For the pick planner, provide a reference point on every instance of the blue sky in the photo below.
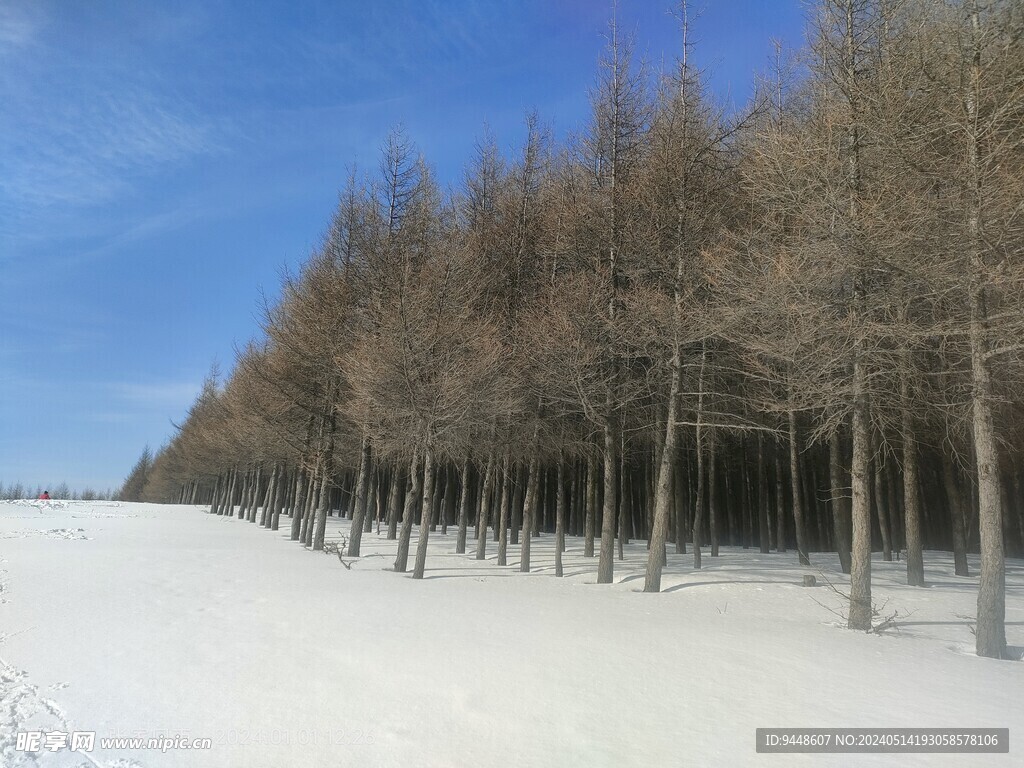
(161, 162)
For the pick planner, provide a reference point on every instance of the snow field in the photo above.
(160, 620)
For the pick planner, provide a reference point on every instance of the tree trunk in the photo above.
(860, 468)
(325, 504)
(448, 502)
(312, 506)
(436, 500)
(819, 505)
(518, 492)
(841, 516)
(572, 524)
(299, 503)
(529, 512)
(957, 512)
(261, 514)
(464, 500)
(732, 503)
(396, 497)
(606, 561)
(544, 500)
(895, 512)
(1019, 496)
(355, 533)
(243, 493)
(794, 476)
(663, 498)
(309, 503)
(780, 503)
(485, 506)
(590, 518)
(748, 497)
(225, 499)
(244, 501)
(991, 628)
(625, 501)
(698, 511)
(215, 501)
(252, 496)
(911, 492)
(224, 481)
(506, 502)
(225, 487)
(235, 492)
(559, 515)
(762, 498)
(679, 499)
(411, 497)
(229, 499)
(268, 499)
(279, 498)
(257, 494)
(425, 520)
(712, 494)
(882, 502)
(372, 502)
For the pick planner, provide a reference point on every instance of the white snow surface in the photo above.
(159, 620)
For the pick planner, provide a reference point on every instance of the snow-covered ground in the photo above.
(145, 620)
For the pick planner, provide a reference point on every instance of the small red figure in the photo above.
(44, 496)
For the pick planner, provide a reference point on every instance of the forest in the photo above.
(795, 326)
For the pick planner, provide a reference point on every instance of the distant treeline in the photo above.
(15, 491)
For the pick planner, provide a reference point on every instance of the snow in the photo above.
(139, 619)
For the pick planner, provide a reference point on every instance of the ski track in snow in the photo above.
(49, 533)
(31, 509)
(22, 706)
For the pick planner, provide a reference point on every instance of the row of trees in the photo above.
(797, 326)
(135, 484)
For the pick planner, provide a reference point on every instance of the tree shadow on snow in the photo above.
(689, 584)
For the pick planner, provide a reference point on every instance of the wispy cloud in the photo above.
(17, 26)
(88, 150)
(80, 130)
(107, 417)
(164, 395)
(391, 45)
(108, 397)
